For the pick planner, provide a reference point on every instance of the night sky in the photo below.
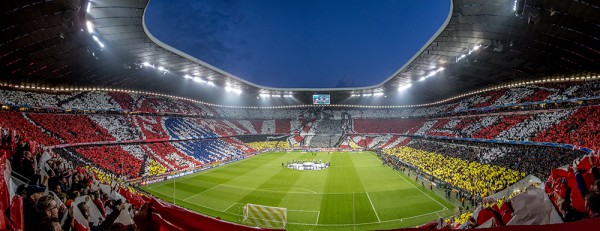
(299, 43)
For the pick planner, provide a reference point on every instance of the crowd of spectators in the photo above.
(478, 179)
(575, 190)
(112, 158)
(90, 100)
(170, 157)
(513, 96)
(526, 130)
(504, 124)
(582, 128)
(119, 126)
(140, 102)
(33, 99)
(59, 193)
(155, 169)
(20, 125)
(572, 189)
(401, 126)
(265, 145)
(524, 158)
(322, 141)
(374, 141)
(71, 128)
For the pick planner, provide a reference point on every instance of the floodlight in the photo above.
(89, 26)
(98, 41)
(402, 88)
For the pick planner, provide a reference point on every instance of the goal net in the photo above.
(264, 216)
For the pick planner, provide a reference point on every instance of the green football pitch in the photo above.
(356, 192)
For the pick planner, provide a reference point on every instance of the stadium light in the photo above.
(234, 90)
(404, 87)
(422, 78)
(198, 80)
(98, 41)
(187, 76)
(89, 6)
(378, 94)
(89, 26)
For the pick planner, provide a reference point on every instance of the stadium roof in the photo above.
(483, 43)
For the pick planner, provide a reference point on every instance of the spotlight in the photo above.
(402, 88)
(89, 26)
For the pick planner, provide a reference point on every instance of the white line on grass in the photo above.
(370, 223)
(312, 211)
(372, 206)
(270, 189)
(238, 215)
(318, 215)
(200, 193)
(235, 214)
(417, 188)
(231, 206)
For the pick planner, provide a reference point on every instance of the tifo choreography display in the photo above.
(505, 138)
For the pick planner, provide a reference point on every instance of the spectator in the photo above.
(34, 193)
(592, 205)
(106, 224)
(48, 211)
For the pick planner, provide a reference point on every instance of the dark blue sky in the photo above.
(299, 43)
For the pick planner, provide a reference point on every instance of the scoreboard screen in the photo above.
(321, 99)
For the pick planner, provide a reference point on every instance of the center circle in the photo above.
(307, 165)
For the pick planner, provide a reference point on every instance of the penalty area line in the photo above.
(373, 206)
(445, 208)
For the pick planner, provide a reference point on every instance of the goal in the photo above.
(264, 216)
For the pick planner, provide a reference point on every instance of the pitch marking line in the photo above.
(370, 223)
(445, 208)
(318, 215)
(231, 206)
(308, 211)
(372, 206)
(299, 210)
(237, 215)
(271, 189)
(200, 192)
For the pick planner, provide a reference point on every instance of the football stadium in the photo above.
(494, 122)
